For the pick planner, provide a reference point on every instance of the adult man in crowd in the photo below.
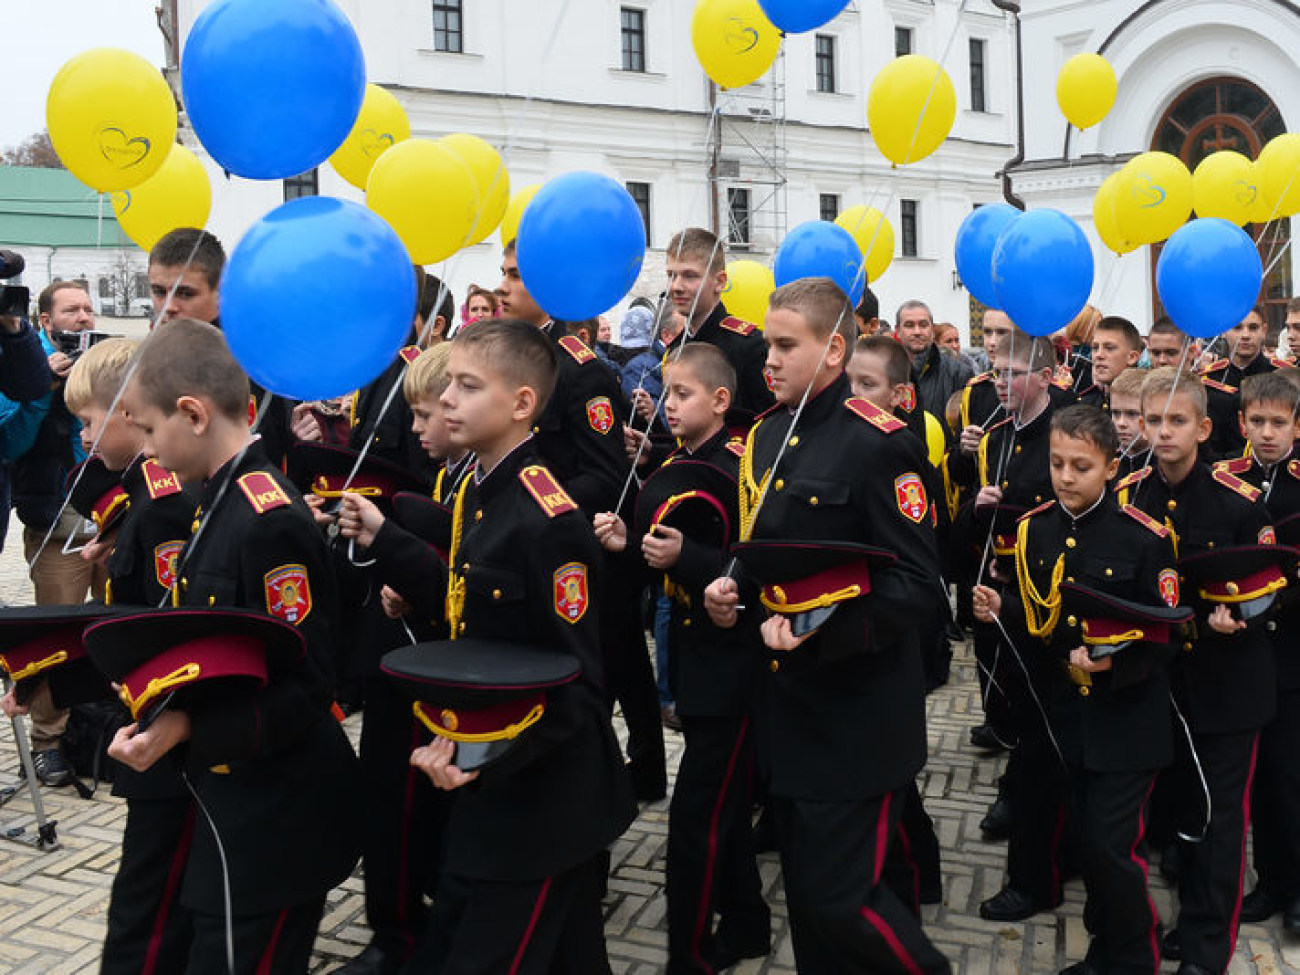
(936, 373)
(1167, 345)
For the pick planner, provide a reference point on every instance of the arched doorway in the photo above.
(1229, 113)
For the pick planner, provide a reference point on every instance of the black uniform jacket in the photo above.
(1223, 684)
(272, 766)
(743, 345)
(1117, 720)
(844, 713)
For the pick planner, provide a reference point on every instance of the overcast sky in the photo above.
(40, 35)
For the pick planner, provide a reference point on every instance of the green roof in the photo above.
(52, 208)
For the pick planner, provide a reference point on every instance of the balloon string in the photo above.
(934, 81)
(1151, 446)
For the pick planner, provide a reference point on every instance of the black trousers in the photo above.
(1210, 882)
(843, 918)
(1119, 912)
(1276, 804)
(545, 927)
(913, 865)
(404, 816)
(712, 871)
(1042, 825)
(997, 673)
(630, 680)
(278, 943)
(149, 932)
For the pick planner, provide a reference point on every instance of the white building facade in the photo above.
(614, 86)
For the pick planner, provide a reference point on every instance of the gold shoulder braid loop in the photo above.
(1036, 603)
(750, 490)
(456, 581)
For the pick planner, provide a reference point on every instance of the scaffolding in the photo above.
(747, 163)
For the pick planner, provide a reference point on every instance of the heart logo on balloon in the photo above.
(1147, 192)
(740, 37)
(375, 144)
(121, 150)
(1246, 193)
(121, 202)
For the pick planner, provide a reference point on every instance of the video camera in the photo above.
(15, 300)
(72, 344)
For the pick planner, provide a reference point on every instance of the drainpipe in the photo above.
(715, 152)
(1013, 8)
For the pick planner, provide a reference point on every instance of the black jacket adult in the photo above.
(937, 375)
(842, 717)
(743, 345)
(24, 372)
(39, 474)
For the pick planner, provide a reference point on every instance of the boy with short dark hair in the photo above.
(1168, 345)
(1116, 346)
(272, 767)
(1126, 412)
(1225, 684)
(1105, 687)
(522, 880)
(845, 699)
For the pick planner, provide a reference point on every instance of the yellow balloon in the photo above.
(427, 194)
(734, 41)
(178, 195)
(1278, 168)
(490, 178)
(911, 108)
(1153, 197)
(1224, 185)
(1086, 89)
(380, 125)
(112, 118)
(749, 286)
(874, 236)
(1103, 217)
(515, 212)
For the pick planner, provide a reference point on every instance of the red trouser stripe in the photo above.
(532, 926)
(1146, 877)
(1245, 828)
(267, 965)
(174, 875)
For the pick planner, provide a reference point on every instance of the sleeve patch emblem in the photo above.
(571, 591)
(910, 493)
(164, 563)
(1267, 536)
(288, 593)
(909, 398)
(1167, 582)
(600, 414)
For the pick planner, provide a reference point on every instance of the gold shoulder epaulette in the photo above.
(1001, 423)
(1233, 483)
(1214, 366)
(159, 480)
(1280, 363)
(1234, 465)
(1145, 520)
(546, 491)
(409, 353)
(737, 446)
(262, 492)
(983, 377)
(1128, 480)
(577, 349)
(882, 420)
(737, 325)
(1036, 511)
(1221, 387)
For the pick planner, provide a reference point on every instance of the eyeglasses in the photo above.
(1006, 375)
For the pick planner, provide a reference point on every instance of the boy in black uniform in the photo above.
(271, 767)
(1109, 704)
(148, 931)
(526, 837)
(1126, 413)
(1268, 414)
(713, 675)
(1223, 379)
(1225, 682)
(1116, 346)
(843, 715)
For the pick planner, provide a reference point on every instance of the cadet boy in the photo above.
(1111, 716)
(1116, 346)
(714, 675)
(271, 767)
(148, 931)
(1223, 378)
(522, 881)
(1268, 417)
(844, 703)
(1225, 682)
(1126, 412)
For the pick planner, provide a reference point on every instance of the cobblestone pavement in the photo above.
(52, 905)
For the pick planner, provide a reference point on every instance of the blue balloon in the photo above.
(317, 298)
(580, 245)
(1209, 275)
(797, 16)
(272, 87)
(820, 249)
(1042, 271)
(976, 240)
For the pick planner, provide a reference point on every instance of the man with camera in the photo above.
(23, 375)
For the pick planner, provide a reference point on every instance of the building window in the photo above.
(633, 21)
(640, 193)
(977, 99)
(909, 211)
(825, 63)
(308, 184)
(738, 215)
(902, 41)
(448, 27)
(829, 206)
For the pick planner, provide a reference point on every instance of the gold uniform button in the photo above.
(1109, 572)
(1233, 589)
(1005, 485)
(464, 567)
(1188, 646)
(1019, 448)
(462, 628)
(1070, 543)
(1172, 505)
(185, 584)
(686, 622)
(1069, 578)
(779, 484)
(496, 593)
(794, 441)
(1072, 620)
(813, 500)
(1038, 499)
(1084, 692)
(478, 515)
(212, 600)
(774, 666)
